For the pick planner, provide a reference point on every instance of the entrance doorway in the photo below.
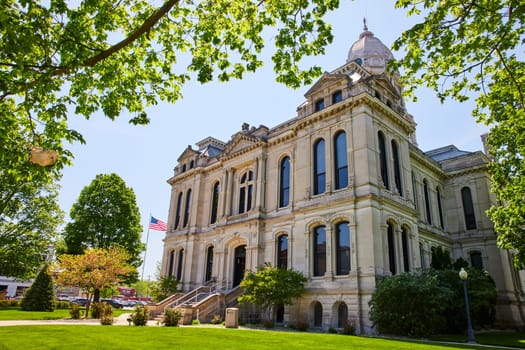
(239, 265)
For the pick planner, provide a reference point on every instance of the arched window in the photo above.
(422, 255)
(214, 202)
(246, 192)
(468, 208)
(284, 187)
(342, 243)
(319, 104)
(391, 249)
(342, 315)
(475, 260)
(319, 167)
(440, 208)
(340, 160)
(183, 167)
(209, 263)
(177, 211)
(319, 244)
(397, 168)
(382, 159)
(179, 264)
(318, 314)
(406, 254)
(171, 263)
(282, 252)
(337, 96)
(192, 164)
(187, 209)
(414, 190)
(427, 202)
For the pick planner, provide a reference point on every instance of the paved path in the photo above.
(119, 321)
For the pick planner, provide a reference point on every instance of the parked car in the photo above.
(79, 301)
(117, 304)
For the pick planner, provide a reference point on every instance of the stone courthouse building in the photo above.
(341, 193)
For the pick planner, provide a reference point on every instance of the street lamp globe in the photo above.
(463, 274)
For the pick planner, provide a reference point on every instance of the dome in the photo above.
(370, 52)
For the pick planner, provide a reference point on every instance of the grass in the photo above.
(14, 313)
(159, 338)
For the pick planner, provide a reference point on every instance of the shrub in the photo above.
(348, 328)
(40, 296)
(95, 310)
(301, 325)
(268, 324)
(75, 311)
(9, 303)
(140, 315)
(171, 317)
(62, 304)
(402, 304)
(217, 319)
(332, 330)
(195, 322)
(106, 314)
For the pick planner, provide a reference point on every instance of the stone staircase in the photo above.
(201, 303)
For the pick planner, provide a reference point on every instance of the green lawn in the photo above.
(14, 313)
(158, 338)
(509, 339)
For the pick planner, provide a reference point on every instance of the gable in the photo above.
(239, 143)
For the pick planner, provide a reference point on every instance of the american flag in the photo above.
(157, 225)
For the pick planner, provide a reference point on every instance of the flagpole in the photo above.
(145, 254)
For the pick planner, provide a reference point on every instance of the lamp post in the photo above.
(463, 275)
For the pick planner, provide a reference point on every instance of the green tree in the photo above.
(474, 49)
(94, 270)
(60, 57)
(40, 296)
(271, 286)
(105, 215)
(164, 287)
(29, 219)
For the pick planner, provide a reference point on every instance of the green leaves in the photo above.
(474, 49)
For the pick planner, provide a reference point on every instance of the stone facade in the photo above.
(341, 193)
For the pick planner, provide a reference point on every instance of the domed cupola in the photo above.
(370, 52)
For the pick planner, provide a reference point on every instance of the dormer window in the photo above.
(319, 104)
(192, 164)
(183, 168)
(337, 96)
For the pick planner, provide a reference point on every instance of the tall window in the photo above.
(284, 188)
(440, 208)
(319, 104)
(282, 252)
(337, 96)
(318, 314)
(340, 161)
(414, 190)
(171, 263)
(342, 242)
(404, 243)
(179, 264)
(427, 202)
(209, 263)
(246, 192)
(468, 208)
(476, 260)
(214, 202)
(192, 164)
(391, 249)
(397, 168)
(319, 167)
(319, 251)
(177, 211)
(382, 159)
(187, 209)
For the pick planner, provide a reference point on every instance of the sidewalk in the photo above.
(118, 321)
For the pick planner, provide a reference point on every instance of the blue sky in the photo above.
(144, 156)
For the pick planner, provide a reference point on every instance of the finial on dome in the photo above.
(365, 28)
